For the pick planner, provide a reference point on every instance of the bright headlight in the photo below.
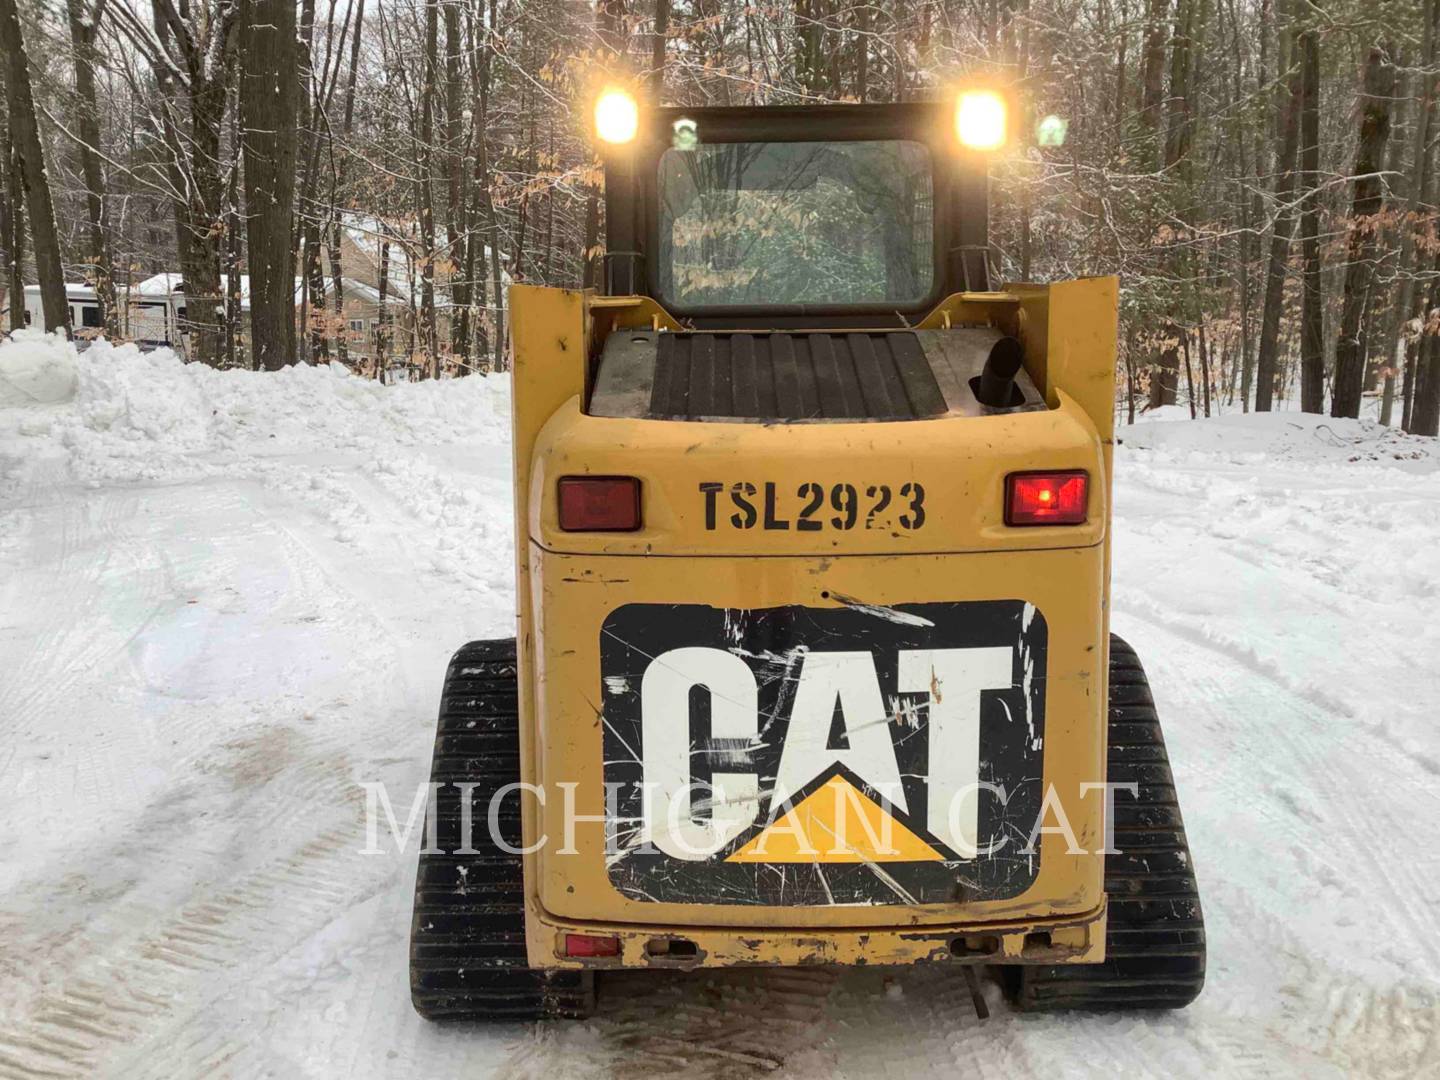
(980, 119)
(617, 116)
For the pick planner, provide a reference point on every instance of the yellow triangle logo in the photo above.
(836, 823)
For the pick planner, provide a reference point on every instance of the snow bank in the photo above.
(117, 413)
(36, 368)
(1274, 437)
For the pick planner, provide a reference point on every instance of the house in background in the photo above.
(360, 315)
(153, 312)
(159, 306)
(362, 239)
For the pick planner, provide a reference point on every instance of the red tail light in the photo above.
(599, 503)
(1049, 498)
(591, 945)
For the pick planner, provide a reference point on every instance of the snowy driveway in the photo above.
(226, 600)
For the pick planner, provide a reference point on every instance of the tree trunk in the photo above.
(268, 91)
(1420, 192)
(337, 269)
(862, 53)
(657, 52)
(1204, 371)
(424, 192)
(1374, 105)
(1247, 192)
(1425, 412)
(457, 227)
(25, 137)
(1189, 371)
(1385, 320)
(1130, 376)
(312, 325)
(337, 287)
(1288, 144)
(193, 168)
(1166, 371)
(608, 17)
(233, 228)
(317, 320)
(1153, 75)
(382, 317)
(592, 277)
(12, 228)
(84, 26)
(901, 40)
(477, 341)
(1312, 312)
(1178, 140)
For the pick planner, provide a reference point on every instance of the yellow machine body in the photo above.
(571, 583)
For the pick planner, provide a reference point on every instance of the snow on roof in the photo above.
(361, 291)
(75, 290)
(170, 283)
(365, 233)
(158, 285)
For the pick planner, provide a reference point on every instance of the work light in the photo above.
(980, 120)
(617, 116)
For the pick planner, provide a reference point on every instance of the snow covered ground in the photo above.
(226, 600)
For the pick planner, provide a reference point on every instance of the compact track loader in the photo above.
(813, 662)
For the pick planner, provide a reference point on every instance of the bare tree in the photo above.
(1312, 311)
(25, 139)
(12, 227)
(457, 225)
(1375, 102)
(84, 30)
(189, 51)
(1288, 104)
(657, 52)
(425, 189)
(268, 89)
(1418, 189)
(340, 173)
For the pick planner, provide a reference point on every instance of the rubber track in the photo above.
(467, 940)
(1155, 937)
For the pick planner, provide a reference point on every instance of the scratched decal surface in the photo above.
(812, 756)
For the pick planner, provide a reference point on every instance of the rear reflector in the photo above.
(1051, 498)
(591, 945)
(599, 503)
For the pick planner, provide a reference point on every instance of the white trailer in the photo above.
(84, 307)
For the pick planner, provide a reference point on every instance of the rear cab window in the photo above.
(775, 223)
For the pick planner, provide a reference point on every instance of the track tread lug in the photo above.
(1155, 935)
(467, 938)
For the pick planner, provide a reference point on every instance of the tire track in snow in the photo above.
(304, 818)
(1381, 1023)
(929, 1020)
(1326, 775)
(197, 954)
(720, 1024)
(64, 649)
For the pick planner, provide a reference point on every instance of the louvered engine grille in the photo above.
(777, 376)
